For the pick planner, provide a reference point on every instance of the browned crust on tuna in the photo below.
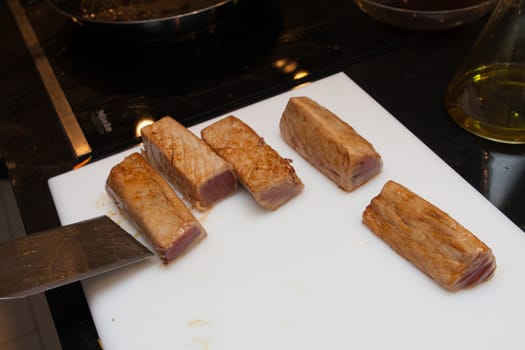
(328, 143)
(268, 177)
(188, 163)
(152, 205)
(429, 238)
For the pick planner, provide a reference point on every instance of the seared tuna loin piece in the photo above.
(188, 163)
(153, 206)
(429, 238)
(270, 179)
(328, 143)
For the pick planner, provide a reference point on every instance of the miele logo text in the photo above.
(101, 122)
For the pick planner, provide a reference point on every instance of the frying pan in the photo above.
(146, 17)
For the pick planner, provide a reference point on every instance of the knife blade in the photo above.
(55, 257)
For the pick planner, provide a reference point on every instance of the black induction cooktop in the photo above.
(113, 80)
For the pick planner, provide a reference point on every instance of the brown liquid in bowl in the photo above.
(432, 5)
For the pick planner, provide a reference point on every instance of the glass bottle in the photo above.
(487, 94)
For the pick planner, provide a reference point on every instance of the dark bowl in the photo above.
(419, 15)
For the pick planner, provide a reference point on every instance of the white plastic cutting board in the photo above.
(309, 275)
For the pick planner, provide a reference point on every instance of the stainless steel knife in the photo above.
(55, 257)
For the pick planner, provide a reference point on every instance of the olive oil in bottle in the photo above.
(486, 96)
(489, 101)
